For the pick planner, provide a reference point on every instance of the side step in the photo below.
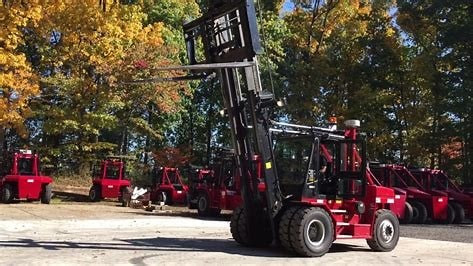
(344, 236)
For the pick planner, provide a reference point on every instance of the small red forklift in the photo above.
(20, 178)
(460, 204)
(217, 188)
(109, 180)
(424, 204)
(168, 186)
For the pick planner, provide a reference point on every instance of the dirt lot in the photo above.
(107, 234)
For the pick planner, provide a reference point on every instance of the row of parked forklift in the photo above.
(421, 194)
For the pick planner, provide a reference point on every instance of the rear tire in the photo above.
(46, 194)
(203, 204)
(459, 213)
(239, 229)
(419, 212)
(311, 232)
(408, 214)
(125, 201)
(450, 214)
(95, 193)
(385, 231)
(284, 230)
(7, 193)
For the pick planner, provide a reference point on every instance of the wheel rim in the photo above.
(315, 232)
(92, 194)
(387, 231)
(202, 203)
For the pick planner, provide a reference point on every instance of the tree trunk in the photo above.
(209, 135)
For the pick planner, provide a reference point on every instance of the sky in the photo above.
(288, 5)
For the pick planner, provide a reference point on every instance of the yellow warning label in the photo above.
(268, 165)
(338, 201)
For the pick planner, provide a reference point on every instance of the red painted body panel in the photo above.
(170, 182)
(29, 187)
(400, 177)
(26, 186)
(439, 183)
(111, 185)
(347, 221)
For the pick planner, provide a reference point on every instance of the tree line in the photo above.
(68, 72)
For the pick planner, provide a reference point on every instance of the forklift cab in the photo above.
(109, 179)
(298, 166)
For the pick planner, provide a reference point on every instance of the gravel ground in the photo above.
(455, 233)
(161, 240)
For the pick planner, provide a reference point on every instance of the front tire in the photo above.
(284, 230)
(240, 230)
(408, 214)
(46, 194)
(203, 204)
(311, 232)
(450, 214)
(385, 231)
(7, 193)
(95, 193)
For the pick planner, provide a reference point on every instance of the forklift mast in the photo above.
(229, 37)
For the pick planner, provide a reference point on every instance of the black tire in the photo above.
(46, 194)
(203, 204)
(408, 214)
(311, 232)
(7, 193)
(239, 229)
(459, 213)
(216, 212)
(419, 212)
(450, 214)
(95, 193)
(121, 198)
(385, 231)
(285, 226)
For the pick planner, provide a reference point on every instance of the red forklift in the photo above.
(218, 188)
(20, 178)
(168, 186)
(297, 206)
(424, 204)
(109, 180)
(460, 204)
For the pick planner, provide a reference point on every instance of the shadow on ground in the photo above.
(168, 244)
(70, 197)
(185, 213)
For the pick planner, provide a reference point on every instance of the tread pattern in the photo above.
(284, 228)
(297, 230)
(238, 227)
(46, 194)
(240, 232)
